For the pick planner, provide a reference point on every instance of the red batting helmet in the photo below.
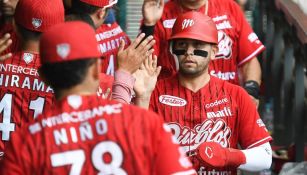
(195, 25)
(68, 42)
(101, 3)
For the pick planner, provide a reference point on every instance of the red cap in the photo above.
(68, 41)
(39, 15)
(195, 25)
(100, 3)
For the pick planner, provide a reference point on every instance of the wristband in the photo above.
(252, 88)
(148, 30)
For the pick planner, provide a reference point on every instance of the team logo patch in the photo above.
(74, 101)
(209, 130)
(36, 22)
(169, 23)
(172, 100)
(28, 57)
(63, 50)
(187, 23)
(225, 46)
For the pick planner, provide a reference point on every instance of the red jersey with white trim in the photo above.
(8, 28)
(23, 95)
(237, 41)
(108, 37)
(219, 112)
(88, 135)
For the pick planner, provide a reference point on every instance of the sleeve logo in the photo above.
(172, 100)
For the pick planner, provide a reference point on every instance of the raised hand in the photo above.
(152, 11)
(145, 81)
(5, 42)
(146, 77)
(130, 59)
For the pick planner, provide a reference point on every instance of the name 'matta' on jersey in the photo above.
(237, 42)
(220, 112)
(109, 37)
(89, 135)
(23, 95)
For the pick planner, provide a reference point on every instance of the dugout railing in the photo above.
(282, 25)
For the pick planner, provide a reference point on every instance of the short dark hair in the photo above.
(80, 17)
(81, 7)
(65, 75)
(27, 34)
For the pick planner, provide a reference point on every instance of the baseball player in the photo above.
(208, 116)
(238, 45)
(109, 35)
(84, 134)
(23, 95)
(117, 42)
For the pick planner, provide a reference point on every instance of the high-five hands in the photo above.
(130, 59)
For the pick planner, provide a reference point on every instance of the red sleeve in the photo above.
(252, 130)
(249, 45)
(170, 157)
(158, 36)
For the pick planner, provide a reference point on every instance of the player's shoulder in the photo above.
(25, 58)
(170, 7)
(225, 85)
(229, 6)
(223, 3)
(171, 3)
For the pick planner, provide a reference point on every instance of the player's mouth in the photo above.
(189, 62)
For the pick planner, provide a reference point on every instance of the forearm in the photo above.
(252, 71)
(122, 87)
(257, 158)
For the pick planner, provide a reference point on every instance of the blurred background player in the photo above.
(108, 32)
(128, 59)
(109, 35)
(238, 45)
(208, 116)
(23, 95)
(85, 134)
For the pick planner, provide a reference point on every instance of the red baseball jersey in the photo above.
(219, 112)
(88, 135)
(8, 28)
(109, 36)
(23, 95)
(237, 41)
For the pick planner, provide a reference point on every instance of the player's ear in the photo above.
(214, 50)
